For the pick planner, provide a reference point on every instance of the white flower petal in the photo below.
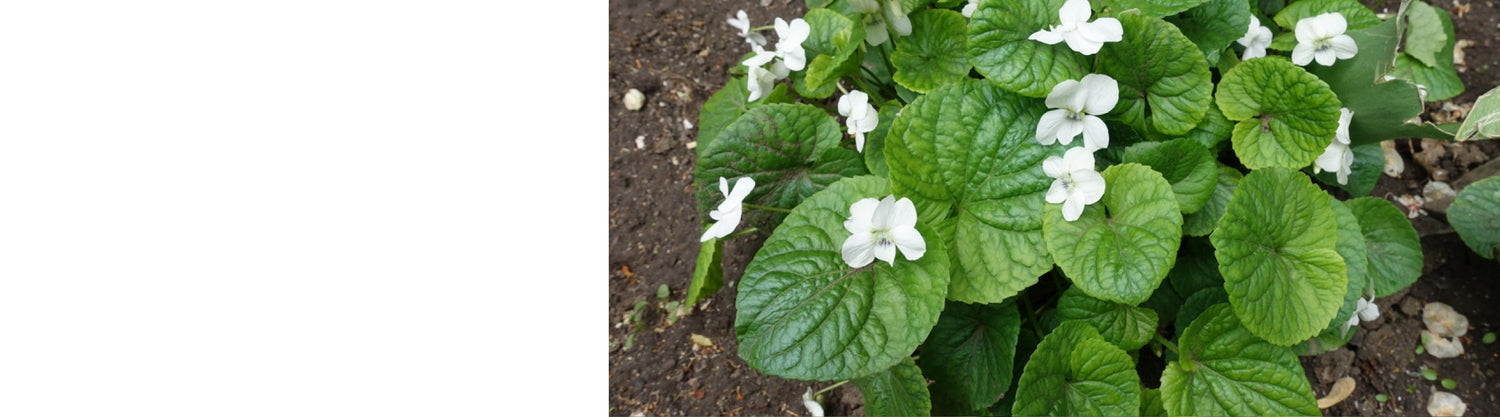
(726, 225)
(1250, 32)
(969, 8)
(1058, 193)
(1050, 37)
(1079, 42)
(1047, 127)
(859, 141)
(875, 33)
(885, 214)
(860, 214)
(1329, 25)
(1106, 29)
(1088, 187)
(1342, 133)
(910, 242)
(1068, 129)
(795, 59)
(1369, 311)
(1331, 158)
(1344, 46)
(1071, 209)
(813, 408)
(1306, 31)
(742, 188)
(896, 17)
(886, 253)
(724, 187)
(859, 250)
(1078, 159)
(759, 82)
(1302, 54)
(1068, 95)
(1074, 11)
(1095, 134)
(1055, 167)
(905, 214)
(1325, 57)
(1100, 92)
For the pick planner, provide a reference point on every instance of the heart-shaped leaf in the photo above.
(935, 54)
(971, 353)
(1391, 243)
(1000, 48)
(1475, 214)
(1074, 372)
(898, 391)
(1224, 370)
(1122, 247)
(1286, 115)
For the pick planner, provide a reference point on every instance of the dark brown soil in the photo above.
(677, 52)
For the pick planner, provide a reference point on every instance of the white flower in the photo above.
(1076, 105)
(1255, 41)
(742, 22)
(1322, 37)
(813, 408)
(760, 80)
(728, 213)
(789, 38)
(1076, 184)
(895, 17)
(861, 116)
(1338, 158)
(969, 8)
(1367, 310)
(1080, 34)
(879, 227)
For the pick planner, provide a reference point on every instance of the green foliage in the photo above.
(1000, 49)
(1122, 325)
(1225, 370)
(1286, 116)
(1185, 164)
(1164, 79)
(1121, 248)
(897, 391)
(708, 273)
(1475, 214)
(971, 352)
(1391, 243)
(803, 313)
(1075, 372)
(935, 54)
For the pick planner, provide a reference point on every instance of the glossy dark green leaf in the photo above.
(1225, 370)
(1207, 219)
(1000, 48)
(1475, 214)
(1121, 247)
(898, 391)
(1391, 243)
(1164, 79)
(1286, 116)
(1185, 164)
(935, 54)
(1123, 325)
(1074, 372)
(971, 352)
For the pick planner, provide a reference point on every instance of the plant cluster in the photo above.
(1027, 197)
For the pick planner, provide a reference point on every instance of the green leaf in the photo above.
(971, 352)
(898, 391)
(1425, 37)
(1207, 219)
(1074, 372)
(1163, 77)
(1429, 374)
(1381, 108)
(1196, 268)
(1224, 370)
(708, 274)
(1164, 301)
(1475, 214)
(1214, 25)
(1196, 304)
(1276, 247)
(1153, 8)
(1213, 130)
(1440, 78)
(1000, 48)
(803, 313)
(970, 148)
(791, 150)
(728, 104)
(1122, 247)
(1356, 14)
(1122, 325)
(1286, 116)
(1351, 247)
(1151, 404)
(935, 54)
(1483, 121)
(875, 140)
(1369, 163)
(1185, 164)
(1449, 383)
(832, 47)
(1391, 243)
(807, 91)
(817, 4)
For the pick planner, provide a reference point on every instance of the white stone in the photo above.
(1445, 404)
(1443, 321)
(1441, 347)
(634, 99)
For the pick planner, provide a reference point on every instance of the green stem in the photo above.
(841, 87)
(1030, 314)
(1168, 343)
(760, 28)
(740, 233)
(830, 388)
(760, 207)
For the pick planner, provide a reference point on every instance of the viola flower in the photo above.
(1080, 34)
(1076, 106)
(1338, 158)
(1076, 183)
(875, 33)
(1322, 38)
(789, 38)
(742, 22)
(1255, 41)
(1366, 310)
(861, 116)
(970, 8)
(760, 80)
(728, 213)
(878, 228)
(813, 408)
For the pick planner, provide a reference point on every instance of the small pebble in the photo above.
(640, 142)
(1445, 404)
(1441, 347)
(634, 99)
(1442, 320)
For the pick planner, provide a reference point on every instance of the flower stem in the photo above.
(760, 207)
(760, 28)
(1030, 314)
(830, 388)
(1168, 343)
(740, 233)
